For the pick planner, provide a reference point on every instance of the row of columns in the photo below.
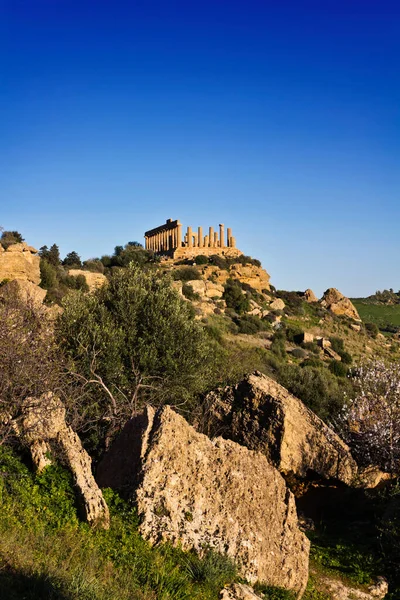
(212, 240)
(168, 237)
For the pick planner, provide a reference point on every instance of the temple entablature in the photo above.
(168, 240)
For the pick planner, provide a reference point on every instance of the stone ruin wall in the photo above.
(167, 240)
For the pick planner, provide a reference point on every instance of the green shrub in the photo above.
(318, 388)
(235, 298)
(294, 333)
(186, 274)
(219, 261)
(299, 353)
(346, 357)
(338, 368)
(312, 362)
(189, 293)
(201, 259)
(337, 344)
(372, 329)
(278, 346)
(48, 275)
(136, 328)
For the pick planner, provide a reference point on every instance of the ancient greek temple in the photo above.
(167, 239)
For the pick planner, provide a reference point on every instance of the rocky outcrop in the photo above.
(43, 423)
(20, 261)
(277, 304)
(309, 296)
(262, 415)
(238, 591)
(252, 275)
(26, 290)
(338, 304)
(339, 590)
(94, 280)
(199, 493)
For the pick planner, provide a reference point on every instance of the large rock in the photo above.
(26, 290)
(309, 296)
(238, 591)
(43, 424)
(252, 275)
(334, 301)
(94, 280)
(20, 261)
(262, 415)
(197, 493)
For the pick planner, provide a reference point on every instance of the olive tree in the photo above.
(135, 340)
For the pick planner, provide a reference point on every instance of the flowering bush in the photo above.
(370, 422)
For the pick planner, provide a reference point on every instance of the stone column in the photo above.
(195, 241)
(179, 235)
(229, 235)
(189, 236)
(200, 237)
(206, 241)
(233, 242)
(221, 235)
(211, 236)
(216, 240)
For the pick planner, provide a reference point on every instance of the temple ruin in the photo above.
(168, 240)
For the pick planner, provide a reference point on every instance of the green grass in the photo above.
(379, 314)
(47, 553)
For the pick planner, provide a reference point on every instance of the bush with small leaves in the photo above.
(186, 274)
(235, 298)
(189, 293)
(338, 368)
(201, 259)
(371, 329)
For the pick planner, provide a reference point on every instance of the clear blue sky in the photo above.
(278, 118)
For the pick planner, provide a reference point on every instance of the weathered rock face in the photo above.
(26, 290)
(94, 280)
(197, 492)
(43, 422)
(334, 301)
(238, 591)
(309, 296)
(20, 261)
(262, 415)
(252, 275)
(277, 304)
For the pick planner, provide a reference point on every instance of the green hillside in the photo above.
(380, 314)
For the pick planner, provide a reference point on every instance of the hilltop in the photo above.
(123, 367)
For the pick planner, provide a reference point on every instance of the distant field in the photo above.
(379, 314)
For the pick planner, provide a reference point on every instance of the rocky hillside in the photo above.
(203, 444)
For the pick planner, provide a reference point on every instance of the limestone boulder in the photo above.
(26, 290)
(338, 304)
(262, 415)
(196, 492)
(20, 261)
(252, 275)
(94, 280)
(198, 286)
(309, 296)
(277, 304)
(42, 425)
(214, 290)
(238, 591)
